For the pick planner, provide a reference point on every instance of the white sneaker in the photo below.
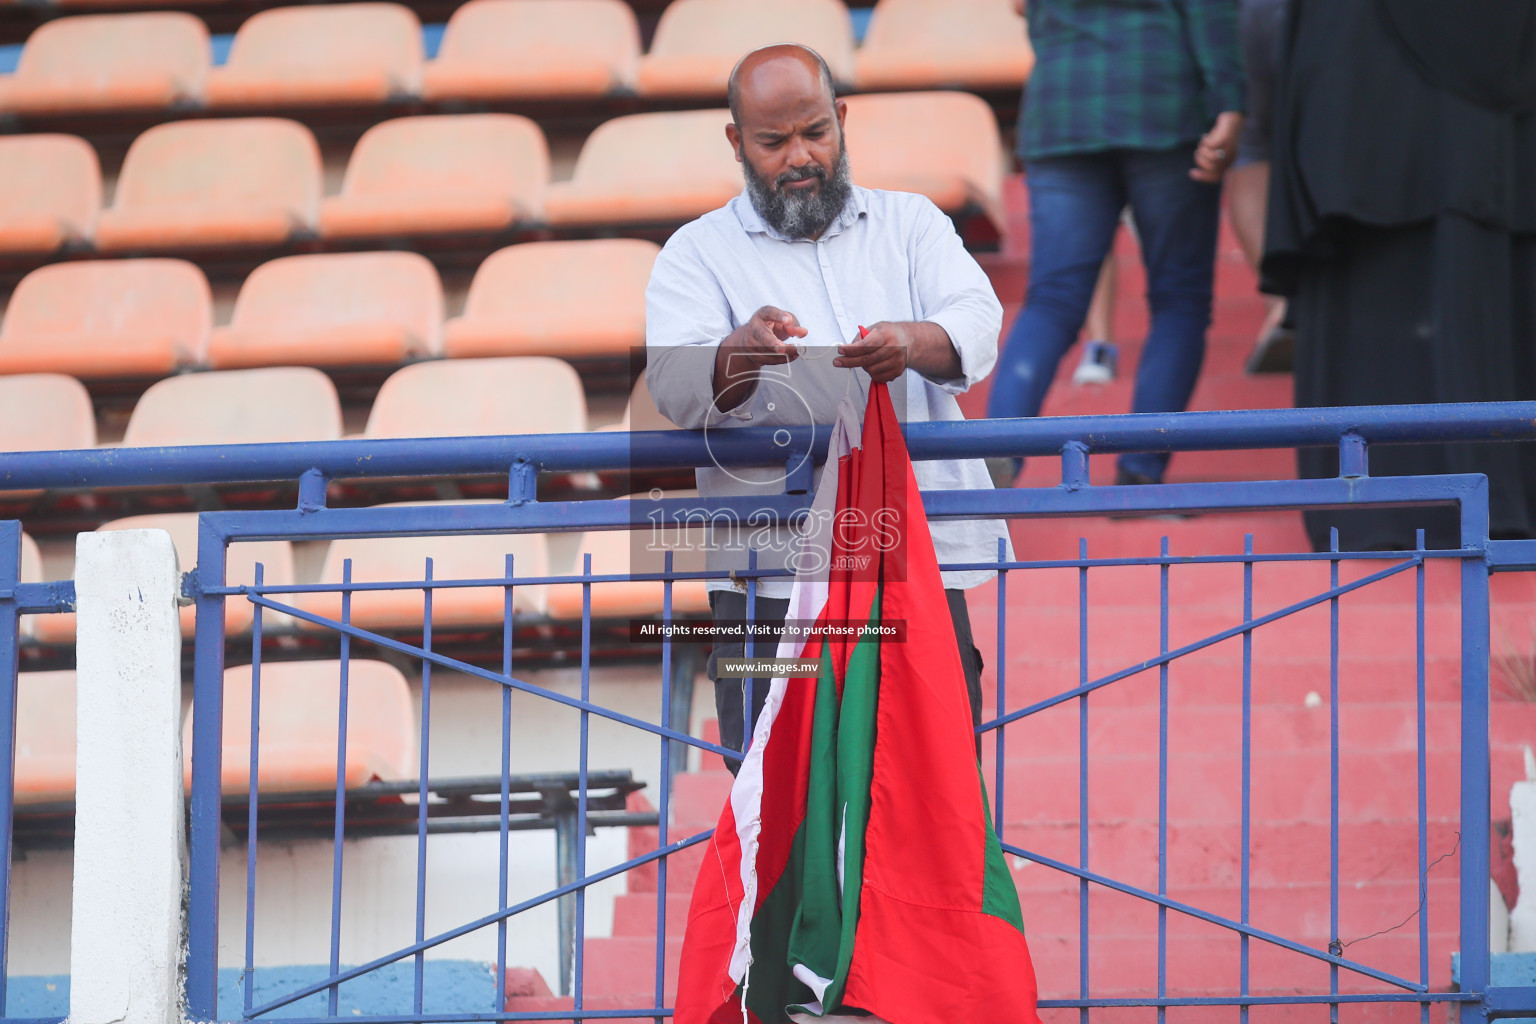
(1100, 361)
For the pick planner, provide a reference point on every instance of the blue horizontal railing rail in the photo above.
(1071, 439)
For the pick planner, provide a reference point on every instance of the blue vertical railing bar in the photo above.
(578, 968)
(1333, 775)
(1475, 965)
(10, 572)
(665, 797)
(1162, 783)
(1423, 777)
(1082, 783)
(344, 674)
(504, 829)
(250, 813)
(419, 981)
(1002, 680)
(206, 818)
(1247, 780)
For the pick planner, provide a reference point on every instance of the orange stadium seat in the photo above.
(30, 571)
(921, 44)
(276, 557)
(958, 166)
(107, 319)
(629, 552)
(570, 299)
(334, 309)
(299, 719)
(475, 397)
(659, 167)
(535, 49)
(45, 737)
(44, 412)
(284, 403)
(193, 184)
(441, 174)
(321, 54)
(104, 62)
(50, 193)
(698, 41)
(396, 559)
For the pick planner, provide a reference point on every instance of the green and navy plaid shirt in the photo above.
(1128, 74)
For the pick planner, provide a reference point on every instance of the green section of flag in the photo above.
(999, 897)
(810, 916)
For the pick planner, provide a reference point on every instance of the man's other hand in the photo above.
(881, 352)
(888, 350)
(764, 340)
(1217, 148)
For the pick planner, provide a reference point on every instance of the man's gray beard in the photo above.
(797, 214)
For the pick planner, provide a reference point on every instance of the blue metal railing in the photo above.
(16, 599)
(521, 459)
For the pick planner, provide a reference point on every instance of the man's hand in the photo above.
(889, 349)
(762, 341)
(1217, 148)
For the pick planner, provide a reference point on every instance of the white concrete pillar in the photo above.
(126, 935)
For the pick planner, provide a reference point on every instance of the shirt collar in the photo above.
(856, 207)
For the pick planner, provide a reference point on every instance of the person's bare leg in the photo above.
(1100, 324)
(1100, 358)
(1248, 206)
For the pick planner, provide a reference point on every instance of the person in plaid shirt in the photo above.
(1131, 102)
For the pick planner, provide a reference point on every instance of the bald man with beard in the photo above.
(754, 316)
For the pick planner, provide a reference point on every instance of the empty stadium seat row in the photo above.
(509, 50)
(254, 182)
(137, 318)
(395, 559)
(299, 724)
(445, 398)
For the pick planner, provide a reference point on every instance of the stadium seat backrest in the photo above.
(473, 397)
(698, 41)
(50, 192)
(567, 298)
(394, 559)
(924, 43)
(631, 552)
(107, 318)
(568, 48)
(453, 155)
(961, 144)
(275, 556)
(291, 403)
(257, 162)
(111, 62)
(333, 298)
(31, 568)
(42, 412)
(299, 719)
(343, 51)
(45, 737)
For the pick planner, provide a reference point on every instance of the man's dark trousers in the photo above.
(730, 694)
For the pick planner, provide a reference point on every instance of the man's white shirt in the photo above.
(888, 256)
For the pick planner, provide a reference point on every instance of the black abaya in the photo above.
(1403, 225)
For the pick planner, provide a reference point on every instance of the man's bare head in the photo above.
(787, 130)
(772, 74)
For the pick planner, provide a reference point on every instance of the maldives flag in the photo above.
(854, 869)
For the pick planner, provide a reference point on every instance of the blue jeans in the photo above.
(1074, 208)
